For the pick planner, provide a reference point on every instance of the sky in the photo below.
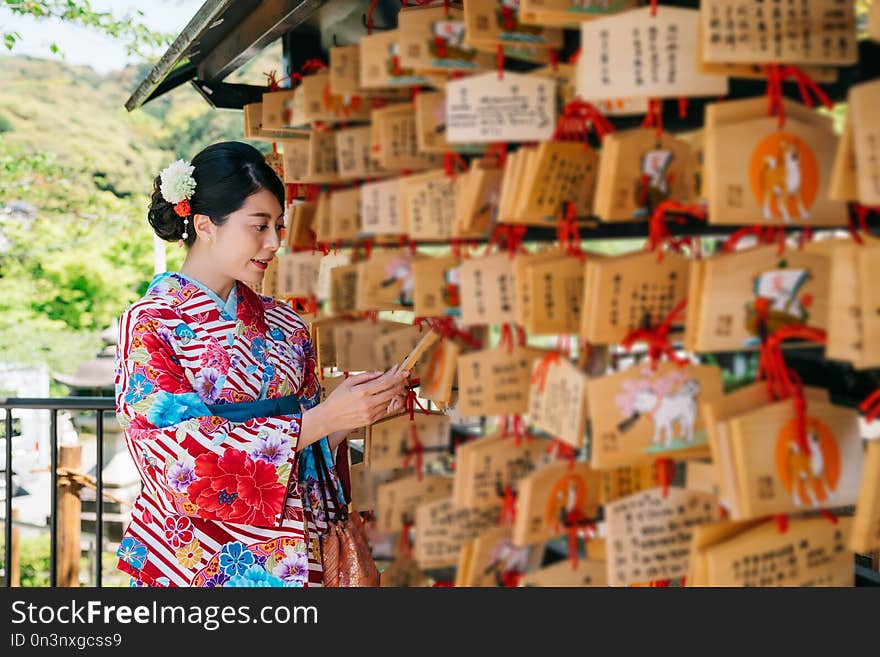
(81, 46)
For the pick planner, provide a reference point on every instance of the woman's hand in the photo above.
(359, 400)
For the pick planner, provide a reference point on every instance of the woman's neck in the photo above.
(217, 283)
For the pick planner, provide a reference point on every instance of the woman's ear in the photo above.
(204, 227)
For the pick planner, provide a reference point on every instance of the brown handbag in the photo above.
(346, 558)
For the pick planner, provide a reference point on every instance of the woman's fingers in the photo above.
(392, 377)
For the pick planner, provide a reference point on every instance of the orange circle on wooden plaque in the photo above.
(783, 170)
(808, 477)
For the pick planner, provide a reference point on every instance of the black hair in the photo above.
(226, 173)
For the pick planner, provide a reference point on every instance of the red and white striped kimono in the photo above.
(221, 504)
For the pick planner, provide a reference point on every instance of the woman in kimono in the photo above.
(218, 396)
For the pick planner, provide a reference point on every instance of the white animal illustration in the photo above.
(679, 407)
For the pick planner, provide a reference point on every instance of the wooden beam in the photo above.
(69, 510)
(269, 21)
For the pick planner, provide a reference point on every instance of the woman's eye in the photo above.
(261, 228)
(279, 227)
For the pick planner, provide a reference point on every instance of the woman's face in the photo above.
(242, 247)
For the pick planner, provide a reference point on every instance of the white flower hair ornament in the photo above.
(177, 185)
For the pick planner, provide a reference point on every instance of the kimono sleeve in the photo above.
(194, 463)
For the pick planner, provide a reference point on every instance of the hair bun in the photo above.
(165, 221)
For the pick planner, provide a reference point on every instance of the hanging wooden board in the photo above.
(477, 196)
(494, 558)
(398, 499)
(626, 480)
(869, 297)
(558, 401)
(811, 552)
(353, 154)
(495, 381)
(641, 414)
(392, 348)
(432, 40)
(624, 292)
(298, 274)
(487, 290)
(796, 285)
(439, 373)
(436, 289)
(668, 67)
(389, 443)
(493, 465)
(588, 572)
(365, 486)
(377, 66)
(551, 493)
(773, 472)
(380, 208)
(556, 295)
(315, 102)
(394, 144)
(427, 204)
(441, 530)
(844, 184)
(354, 341)
(866, 523)
(522, 264)
(758, 174)
(343, 288)
(639, 170)
(567, 13)
(385, 281)
(863, 99)
(817, 32)
(295, 156)
(482, 108)
(490, 23)
(648, 535)
(707, 535)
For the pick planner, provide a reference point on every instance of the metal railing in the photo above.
(53, 405)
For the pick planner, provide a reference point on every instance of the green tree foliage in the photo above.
(128, 29)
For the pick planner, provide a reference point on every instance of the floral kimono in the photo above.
(222, 501)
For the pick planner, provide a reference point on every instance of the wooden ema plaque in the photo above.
(565, 13)
(639, 170)
(722, 315)
(344, 70)
(343, 285)
(391, 348)
(668, 67)
(393, 140)
(556, 294)
(377, 68)
(558, 400)
(850, 308)
(365, 486)
(431, 40)
(626, 292)
(477, 195)
(812, 552)
(321, 331)
(641, 414)
(866, 524)
(775, 475)
(442, 530)
(523, 280)
(756, 173)
(589, 572)
(844, 183)
(551, 494)
(427, 204)
(483, 471)
(484, 109)
(649, 534)
(380, 208)
(436, 288)
(385, 281)
(495, 381)
(626, 480)
(863, 100)
(439, 373)
(354, 342)
(319, 103)
(354, 156)
(390, 441)
(489, 23)
(487, 290)
(716, 414)
(492, 559)
(398, 499)
(298, 274)
(817, 32)
(555, 173)
(295, 156)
